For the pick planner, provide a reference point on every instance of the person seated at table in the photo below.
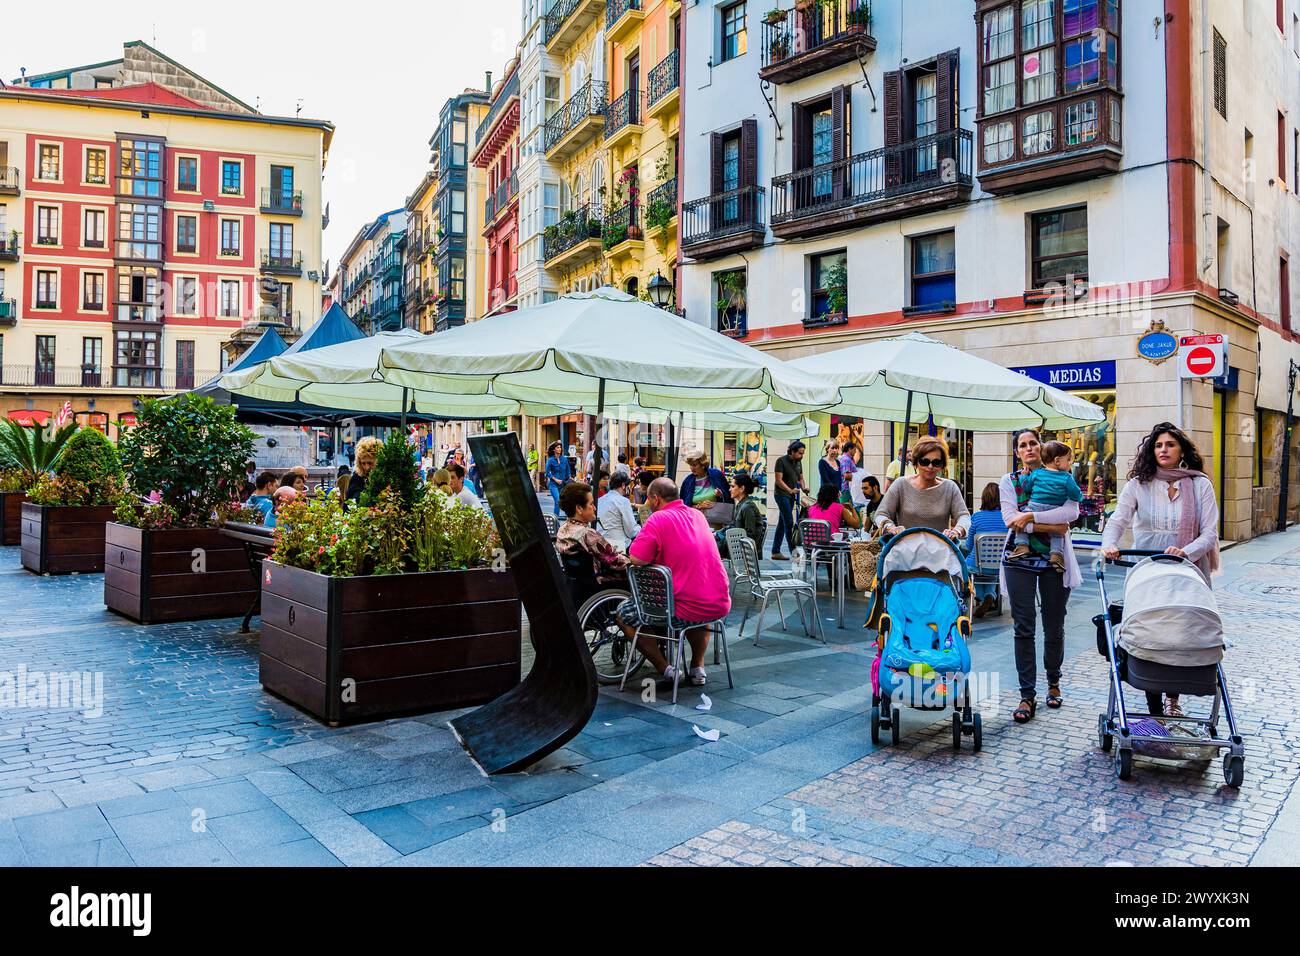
(617, 522)
(441, 480)
(872, 496)
(988, 520)
(639, 493)
(295, 481)
(678, 538)
(828, 508)
(457, 488)
(747, 516)
(578, 535)
(705, 486)
(284, 495)
(261, 498)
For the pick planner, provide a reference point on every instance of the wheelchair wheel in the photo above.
(606, 641)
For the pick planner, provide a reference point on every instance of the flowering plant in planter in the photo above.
(190, 453)
(11, 480)
(32, 451)
(88, 474)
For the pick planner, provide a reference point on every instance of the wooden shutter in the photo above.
(840, 99)
(715, 163)
(947, 116)
(749, 152)
(801, 151)
(893, 127)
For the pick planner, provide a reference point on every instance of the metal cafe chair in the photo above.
(763, 585)
(988, 549)
(552, 524)
(652, 593)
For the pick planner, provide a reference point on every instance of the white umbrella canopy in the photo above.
(883, 380)
(344, 376)
(562, 352)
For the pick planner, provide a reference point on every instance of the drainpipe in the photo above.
(1207, 85)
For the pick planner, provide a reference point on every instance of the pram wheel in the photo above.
(956, 731)
(1104, 738)
(875, 723)
(1123, 763)
(977, 734)
(893, 724)
(1234, 770)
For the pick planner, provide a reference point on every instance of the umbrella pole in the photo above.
(902, 445)
(403, 426)
(595, 444)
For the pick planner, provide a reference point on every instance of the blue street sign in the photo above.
(1074, 375)
(1157, 346)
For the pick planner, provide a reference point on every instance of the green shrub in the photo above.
(33, 451)
(87, 473)
(394, 468)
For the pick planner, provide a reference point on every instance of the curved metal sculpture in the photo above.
(555, 701)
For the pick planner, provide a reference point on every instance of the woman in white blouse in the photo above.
(1169, 503)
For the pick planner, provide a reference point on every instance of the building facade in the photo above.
(149, 224)
(1036, 183)
(421, 263)
(372, 271)
(496, 153)
(539, 181)
(458, 245)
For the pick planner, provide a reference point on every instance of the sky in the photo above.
(379, 70)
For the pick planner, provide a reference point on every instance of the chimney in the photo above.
(488, 82)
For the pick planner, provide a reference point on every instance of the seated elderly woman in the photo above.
(578, 535)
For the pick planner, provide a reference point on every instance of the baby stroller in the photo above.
(1164, 637)
(924, 588)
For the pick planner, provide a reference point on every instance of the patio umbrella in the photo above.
(604, 348)
(913, 377)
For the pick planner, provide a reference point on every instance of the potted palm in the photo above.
(403, 603)
(165, 558)
(66, 509)
(26, 453)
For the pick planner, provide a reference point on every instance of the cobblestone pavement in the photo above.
(191, 763)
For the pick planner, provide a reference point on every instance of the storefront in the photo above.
(1094, 467)
(961, 450)
(742, 451)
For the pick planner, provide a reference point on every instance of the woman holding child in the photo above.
(1022, 584)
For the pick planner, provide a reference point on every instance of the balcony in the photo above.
(578, 121)
(621, 235)
(8, 313)
(575, 238)
(723, 223)
(566, 21)
(10, 181)
(282, 262)
(500, 199)
(281, 202)
(1077, 138)
(139, 250)
(138, 312)
(9, 246)
(885, 184)
(813, 37)
(661, 210)
(623, 119)
(622, 18)
(663, 87)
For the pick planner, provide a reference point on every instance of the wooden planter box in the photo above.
(150, 576)
(62, 540)
(347, 649)
(11, 517)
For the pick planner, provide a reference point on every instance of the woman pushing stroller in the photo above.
(1169, 503)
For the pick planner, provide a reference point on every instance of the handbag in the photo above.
(864, 556)
(721, 514)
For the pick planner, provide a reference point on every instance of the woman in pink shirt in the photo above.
(829, 509)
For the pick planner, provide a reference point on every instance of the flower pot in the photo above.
(11, 517)
(63, 540)
(357, 648)
(774, 17)
(177, 574)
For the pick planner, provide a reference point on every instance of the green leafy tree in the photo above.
(33, 451)
(191, 452)
(394, 468)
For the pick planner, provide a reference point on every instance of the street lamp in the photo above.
(660, 289)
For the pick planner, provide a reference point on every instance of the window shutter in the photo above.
(893, 127)
(801, 151)
(840, 100)
(715, 163)
(749, 152)
(947, 113)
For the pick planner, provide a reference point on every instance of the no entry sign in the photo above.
(1202, 356)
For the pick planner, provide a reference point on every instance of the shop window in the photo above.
(1094, 462)
(1059, 246)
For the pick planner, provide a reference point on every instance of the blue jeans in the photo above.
(785, 523)
(555, 496)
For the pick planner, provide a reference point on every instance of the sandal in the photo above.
(1054, 699)
(1025, 712)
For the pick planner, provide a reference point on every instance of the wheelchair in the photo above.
(596, 605)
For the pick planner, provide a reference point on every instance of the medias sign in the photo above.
(1073, 375)
(1202, 356)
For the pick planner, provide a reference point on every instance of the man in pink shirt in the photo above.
(679, 538)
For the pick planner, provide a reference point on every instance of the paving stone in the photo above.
(62, 827)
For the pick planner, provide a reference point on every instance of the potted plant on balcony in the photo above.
(774, 16)
(26, 453)
(857, 19)
(66, 510)
(168, 560)
(388, 608)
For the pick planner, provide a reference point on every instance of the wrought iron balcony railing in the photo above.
(812, 27)
(723, 215)
(614, 10)
(9, 180)
(624, 111)
(576, 226)
(283, 201)
(587, 102)
(621, 224)
(663, 79)
(661, 204)
(288, 262)
(9, 246)
(932, 162)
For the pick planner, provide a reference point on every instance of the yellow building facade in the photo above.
(422, 264)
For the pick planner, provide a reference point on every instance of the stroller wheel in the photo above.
(1234, 770)
(1123, 763)
(893, 724)
(977, 734)
(956, 731)
(875, 723)
(1104, 738)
